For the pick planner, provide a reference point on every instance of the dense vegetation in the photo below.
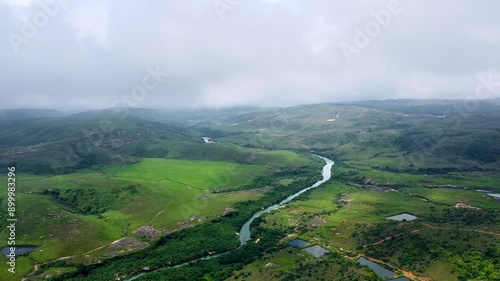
(89, 201)
(472, 258)
(418, 253)
(333, 266)
(222, 267)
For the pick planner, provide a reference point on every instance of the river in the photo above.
(327, 174)
(245, 233)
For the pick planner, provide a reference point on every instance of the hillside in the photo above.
(29, 113)
(119, 190)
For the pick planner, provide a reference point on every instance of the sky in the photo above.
(71, 54)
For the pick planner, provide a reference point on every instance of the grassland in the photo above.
(336, 216)
(166, 194)
(203, 175)
(215, 235)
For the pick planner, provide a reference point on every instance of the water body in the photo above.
(327, 174)
(208, 140)
(20, 250)
(298, 243)
(402, 217)
(379, 270)
(245, 229)
(496, 195)
(316, 250)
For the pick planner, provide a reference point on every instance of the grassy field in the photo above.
(175, 198)
(204, 175)
(166, 194)
(334, 216)
(452, 197)
(471, 180)
(361, 207)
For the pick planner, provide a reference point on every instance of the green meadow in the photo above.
(192, 174)
(164, 193)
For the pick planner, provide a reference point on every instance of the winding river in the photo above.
(245, 229)
(327, 174)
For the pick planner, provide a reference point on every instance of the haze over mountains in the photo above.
(33, 138)
(267, 52)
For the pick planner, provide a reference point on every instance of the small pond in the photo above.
(402, 217)
(298, 243)
(20, 250)
(208, 140)
(381, 271)
(496, 195)
(316, 250)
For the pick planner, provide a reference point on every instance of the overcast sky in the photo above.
(99, 53)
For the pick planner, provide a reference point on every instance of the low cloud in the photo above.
(86, 54)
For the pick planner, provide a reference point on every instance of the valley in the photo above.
(153, 192)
